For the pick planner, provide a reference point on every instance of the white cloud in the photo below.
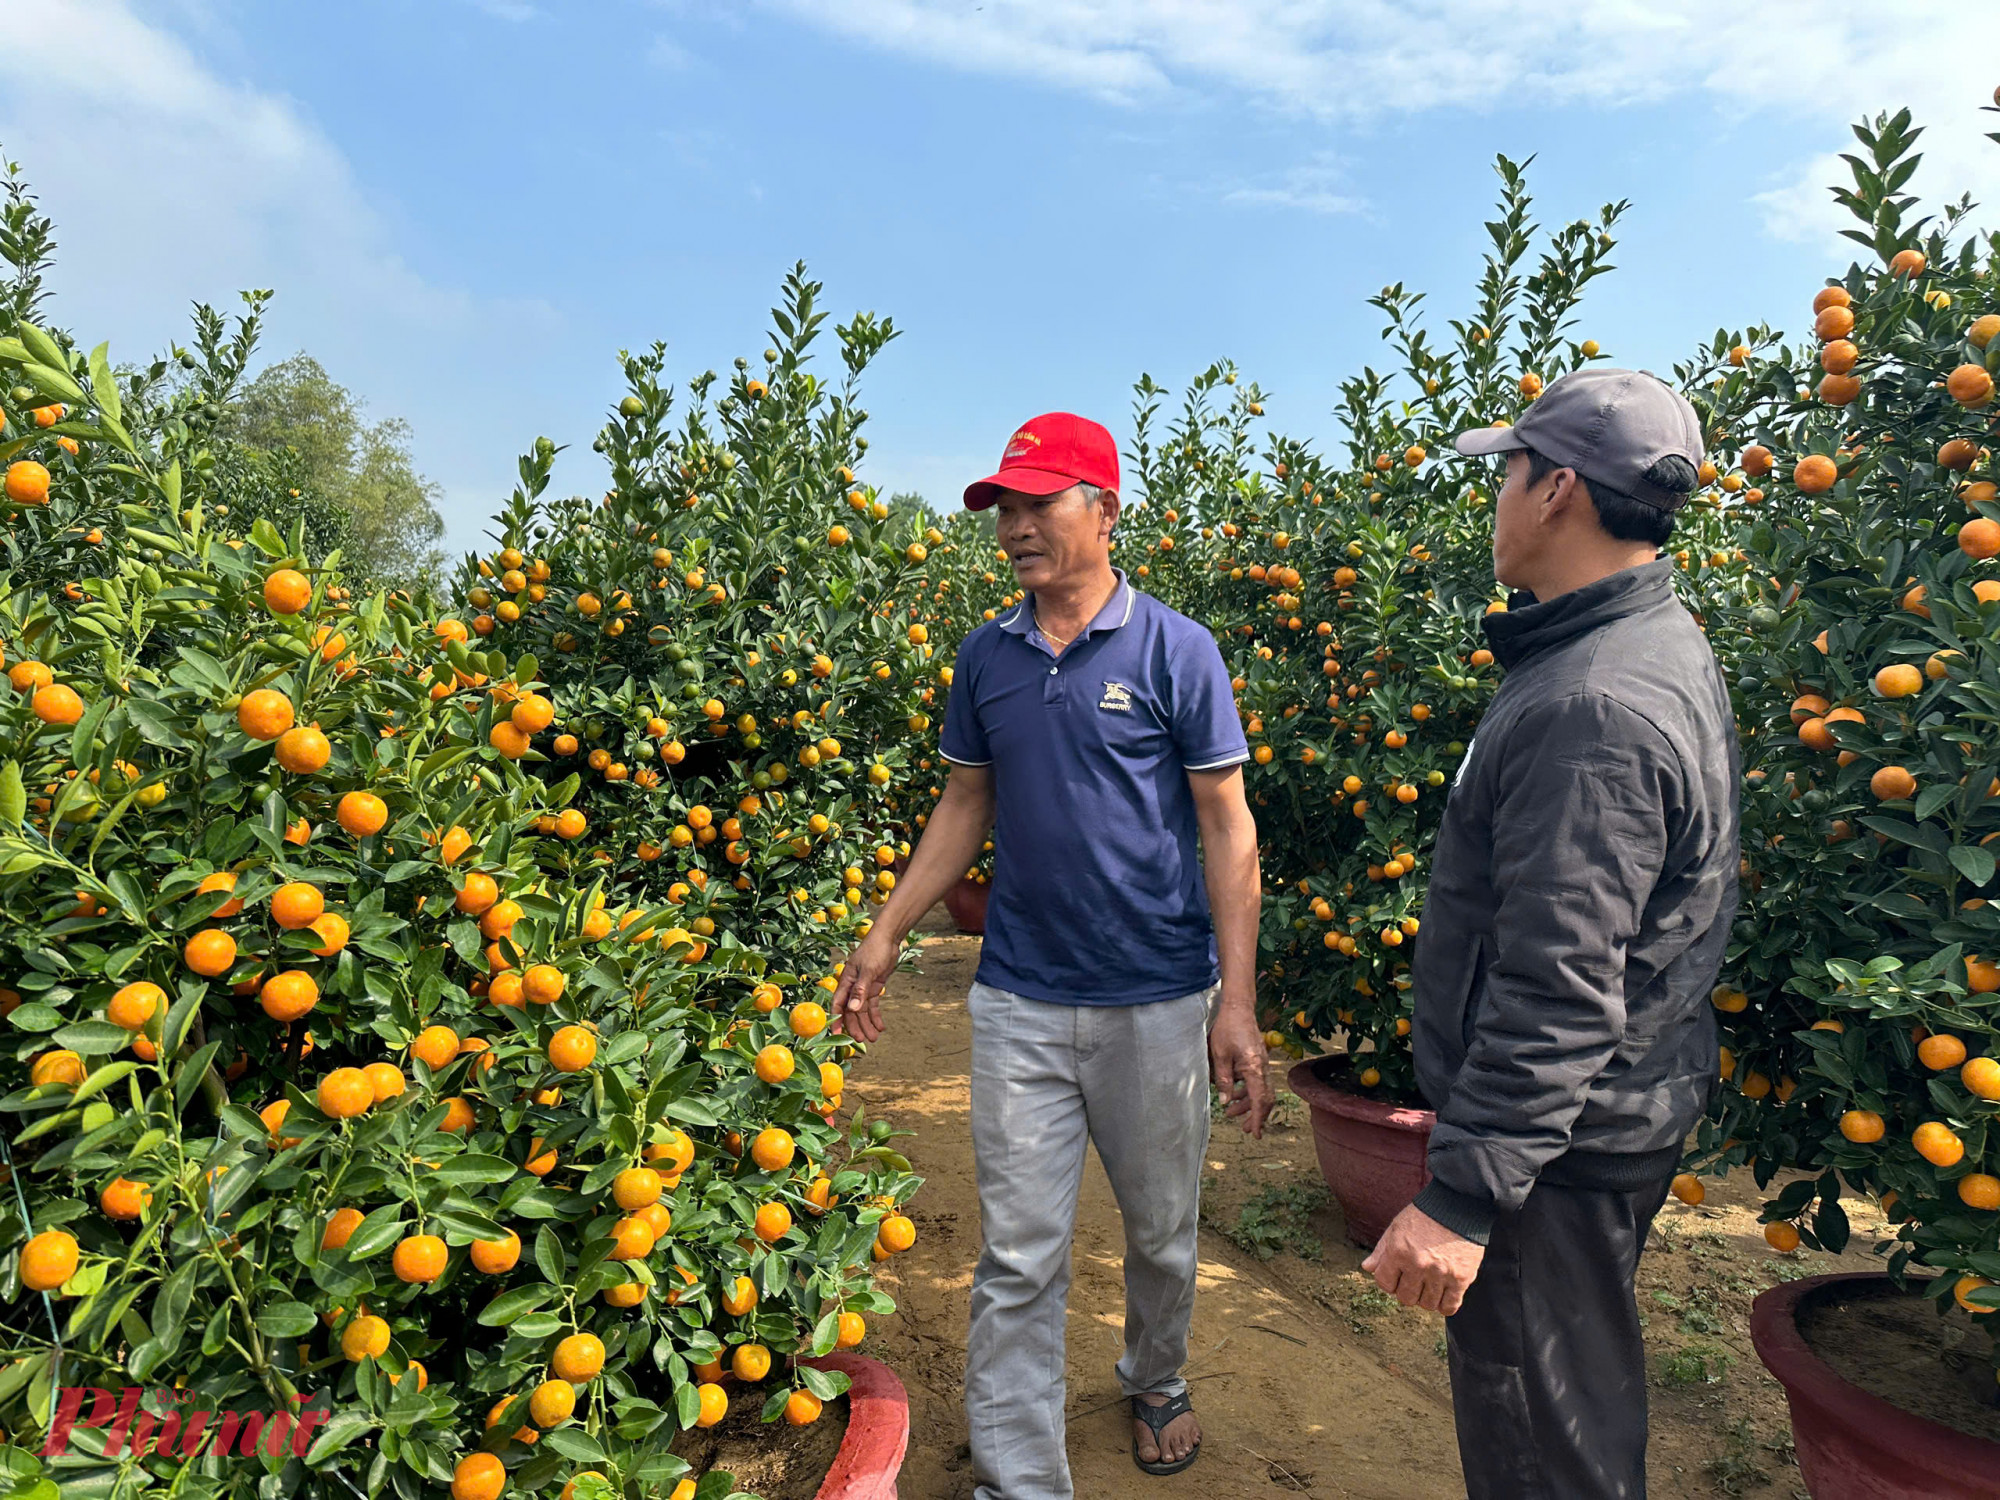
(667, 54)
(1059, 43)
(1957, 160)
(169, 183)
(186, 181)
(1350, 62)
(1313, 186)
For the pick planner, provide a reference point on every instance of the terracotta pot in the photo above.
(878, 1430)
(966, 902)
(1853, 1445)
(1371, 1154)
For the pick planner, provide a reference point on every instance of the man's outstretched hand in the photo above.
(857, 1001)
(1236, 1061)
(1421, 1263)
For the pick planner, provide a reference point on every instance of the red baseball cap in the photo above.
(1048, 454)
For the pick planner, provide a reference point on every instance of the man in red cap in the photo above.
(1094, 732)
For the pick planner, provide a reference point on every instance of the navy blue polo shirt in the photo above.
(1098, 896)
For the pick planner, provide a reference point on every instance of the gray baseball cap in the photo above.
(1610, 426)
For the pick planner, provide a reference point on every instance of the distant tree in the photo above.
(366, 471)
(906, 500)
(288, 447)
(394, 508)
(295, 404)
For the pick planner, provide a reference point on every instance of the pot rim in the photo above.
(878, 1429)
(1305, 1080)
(1774, 1333)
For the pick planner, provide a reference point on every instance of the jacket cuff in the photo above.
(1464, 1215)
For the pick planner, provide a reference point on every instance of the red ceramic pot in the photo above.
(1853, 1445)
(1371, 1154)
(966, 902)
(878, 1430)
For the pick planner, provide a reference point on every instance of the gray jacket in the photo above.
(1582, 892)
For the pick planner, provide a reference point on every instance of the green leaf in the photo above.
(90, 1037)
(155, 723)
(35, 1016)
(171, 1305)
(549, 1254)
(54, 383)
(1917, 836)
(1830, 1225)
(265, 535)
(574, 1444)
(104, 385)
(377, 1232)
(622, 1048)
(38, 345)
(825, 1384)
(286, 1320)
(337, 1434)
(1974, 861)
(102, 1079)
(207, 669)
(242, 1122)
(691, 1111)
(826, 1332)
(474, 1168)
(462, 1224)
(13, 795)
(15, 1375)
(1931, 798)
(508, 1306)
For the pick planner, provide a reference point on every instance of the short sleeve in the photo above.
(963, 741)
(1207, 729)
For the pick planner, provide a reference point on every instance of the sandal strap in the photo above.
(1159, 1417)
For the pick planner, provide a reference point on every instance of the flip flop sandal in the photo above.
(1158, 1418)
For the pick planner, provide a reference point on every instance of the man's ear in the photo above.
(1111, 507)
(1566, 491)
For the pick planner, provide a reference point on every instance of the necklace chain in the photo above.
(1035, 609)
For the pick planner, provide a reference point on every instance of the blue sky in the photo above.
(468, 206)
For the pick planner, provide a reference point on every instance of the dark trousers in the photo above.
(1548, 1373)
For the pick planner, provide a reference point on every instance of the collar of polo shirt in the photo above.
(1021, 619)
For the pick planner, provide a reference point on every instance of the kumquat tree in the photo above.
(1859, 1005)
(337, 1068)
(737, 643)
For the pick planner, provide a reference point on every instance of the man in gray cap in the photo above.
(1582, 893)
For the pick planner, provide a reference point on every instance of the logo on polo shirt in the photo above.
(1117, 697)
(1019, 445)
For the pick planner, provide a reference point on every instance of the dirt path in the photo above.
(1308, 1380)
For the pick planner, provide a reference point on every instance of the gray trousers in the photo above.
(1132, 1080)
(1548, 1370)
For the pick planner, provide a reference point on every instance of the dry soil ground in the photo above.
(1308, 1380)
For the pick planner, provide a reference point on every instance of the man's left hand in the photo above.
(1421, 1263)
(1236, 1059)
